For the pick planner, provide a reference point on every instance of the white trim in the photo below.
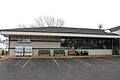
(57, 34)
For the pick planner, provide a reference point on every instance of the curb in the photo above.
(3, 58)
(117, 56)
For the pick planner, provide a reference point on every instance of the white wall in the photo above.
(13, 44)
(93, 52)
(100, 52)
(36, 43)
(12, 52)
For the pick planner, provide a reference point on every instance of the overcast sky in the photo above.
(76, 13)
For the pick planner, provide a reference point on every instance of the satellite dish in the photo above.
(100, 26)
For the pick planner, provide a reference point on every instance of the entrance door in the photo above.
(27, 51)
(115, 49)
(19, 51)
(23, 51)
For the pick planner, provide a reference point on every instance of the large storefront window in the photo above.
(73, 42)
(100, 43)
(86, 43)
(77, 43)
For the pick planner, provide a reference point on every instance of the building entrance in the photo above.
(23, 51)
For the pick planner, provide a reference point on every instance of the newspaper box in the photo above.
(28, 51)
(19, 51)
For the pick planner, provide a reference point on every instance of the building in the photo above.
(91, 41)
(115, 30)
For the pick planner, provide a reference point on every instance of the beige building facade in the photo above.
(36, 42)
(90, 41)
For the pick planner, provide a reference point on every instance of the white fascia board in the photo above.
(57, 34)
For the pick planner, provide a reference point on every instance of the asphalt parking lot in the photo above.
(60, 69)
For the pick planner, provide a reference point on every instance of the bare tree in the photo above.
(47, 21)
(21, 26)
(2, 41)
(32, 25)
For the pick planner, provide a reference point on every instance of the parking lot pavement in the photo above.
(60, 69)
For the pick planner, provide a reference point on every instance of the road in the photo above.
(60, 69)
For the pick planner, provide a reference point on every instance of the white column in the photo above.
(51, 52)
(66, 52)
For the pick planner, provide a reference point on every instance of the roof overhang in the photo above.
(7, 33)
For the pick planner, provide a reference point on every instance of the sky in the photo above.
(76, 13)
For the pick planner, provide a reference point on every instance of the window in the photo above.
(77, 43)
(86, 43)
(100, 43)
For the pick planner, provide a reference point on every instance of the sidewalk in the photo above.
(104, 56)
(3, 57)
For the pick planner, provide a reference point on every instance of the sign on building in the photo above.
(23, 40)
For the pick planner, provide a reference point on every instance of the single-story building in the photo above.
(29, 41)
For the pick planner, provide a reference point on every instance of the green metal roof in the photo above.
(61, 30)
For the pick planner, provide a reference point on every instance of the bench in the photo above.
(59, 52)
(43, 52)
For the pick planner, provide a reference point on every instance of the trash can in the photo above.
(82, 53)
(2, 52)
